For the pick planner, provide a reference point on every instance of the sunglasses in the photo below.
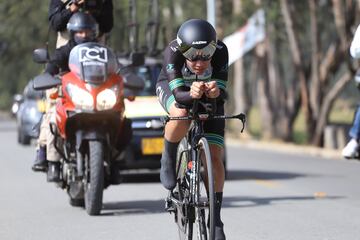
(204, 54)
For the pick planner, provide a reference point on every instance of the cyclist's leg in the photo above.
(174, 132)
(219, 178)
(217, 153)
(214, 132)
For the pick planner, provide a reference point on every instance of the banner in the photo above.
(246, 38)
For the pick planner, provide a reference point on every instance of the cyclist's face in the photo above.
(199, 66)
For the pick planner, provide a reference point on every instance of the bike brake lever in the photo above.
(242, 118)
(165, 120)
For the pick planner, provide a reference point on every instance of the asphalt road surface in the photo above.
(269, 195)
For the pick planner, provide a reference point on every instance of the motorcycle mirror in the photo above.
(41, 55)
(133, 81)
(45, 81)
(130, 94)
(137, 59)
(18, 97)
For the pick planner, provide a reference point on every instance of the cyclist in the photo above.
(196, 53)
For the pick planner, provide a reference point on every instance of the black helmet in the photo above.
(80, 21)
(197, 39)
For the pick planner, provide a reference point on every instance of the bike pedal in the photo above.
(169, 205)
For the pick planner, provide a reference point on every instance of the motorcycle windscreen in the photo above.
(92, 62)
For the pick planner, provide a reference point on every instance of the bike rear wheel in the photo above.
(184, 213)
(205, 194)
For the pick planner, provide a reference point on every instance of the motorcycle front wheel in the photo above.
(94, 178)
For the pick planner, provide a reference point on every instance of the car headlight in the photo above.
(82, 99)
(107, 98)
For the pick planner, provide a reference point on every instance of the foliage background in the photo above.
(24, 27)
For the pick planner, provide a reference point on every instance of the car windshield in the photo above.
(150, 75)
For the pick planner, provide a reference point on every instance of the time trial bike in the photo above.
(194, 195)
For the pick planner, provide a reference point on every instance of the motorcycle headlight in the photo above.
(107, 98)
(82, 99)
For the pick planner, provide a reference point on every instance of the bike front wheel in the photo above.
(205, 203)
(184, 213)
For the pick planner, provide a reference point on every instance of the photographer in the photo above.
(351, 150)
(60, 11)
(352, 147)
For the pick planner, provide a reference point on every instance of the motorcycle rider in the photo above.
(60, 11)
(195, 52)
(82, 28)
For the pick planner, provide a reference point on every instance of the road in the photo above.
(269, 195)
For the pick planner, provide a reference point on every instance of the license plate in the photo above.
(151, 146)
(41, 105)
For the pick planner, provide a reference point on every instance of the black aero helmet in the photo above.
(196, 39)
(81, 21)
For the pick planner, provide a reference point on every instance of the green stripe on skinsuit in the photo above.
(215, 139)
(178, 82)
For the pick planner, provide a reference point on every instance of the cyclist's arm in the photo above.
(219, 63)
(173, 63)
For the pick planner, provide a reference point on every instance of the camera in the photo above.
(92, 4)
(89, 5)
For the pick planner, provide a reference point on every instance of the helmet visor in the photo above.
(203, 54)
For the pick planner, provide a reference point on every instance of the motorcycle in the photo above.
(91, 131)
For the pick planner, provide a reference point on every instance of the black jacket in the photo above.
(59, 16)
(59, 62)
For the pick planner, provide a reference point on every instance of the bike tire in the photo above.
(185, 224)
(205, 193)
(94, 185)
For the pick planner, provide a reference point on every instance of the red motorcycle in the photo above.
(91, 131)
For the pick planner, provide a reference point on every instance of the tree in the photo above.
(317, 91)
(303, 63)
(23, 27)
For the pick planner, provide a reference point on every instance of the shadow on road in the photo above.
(263, 175)
(247, 201)
(232, 175)
(140, 177)
(133, 207)
(157, 206)
(136, 207)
